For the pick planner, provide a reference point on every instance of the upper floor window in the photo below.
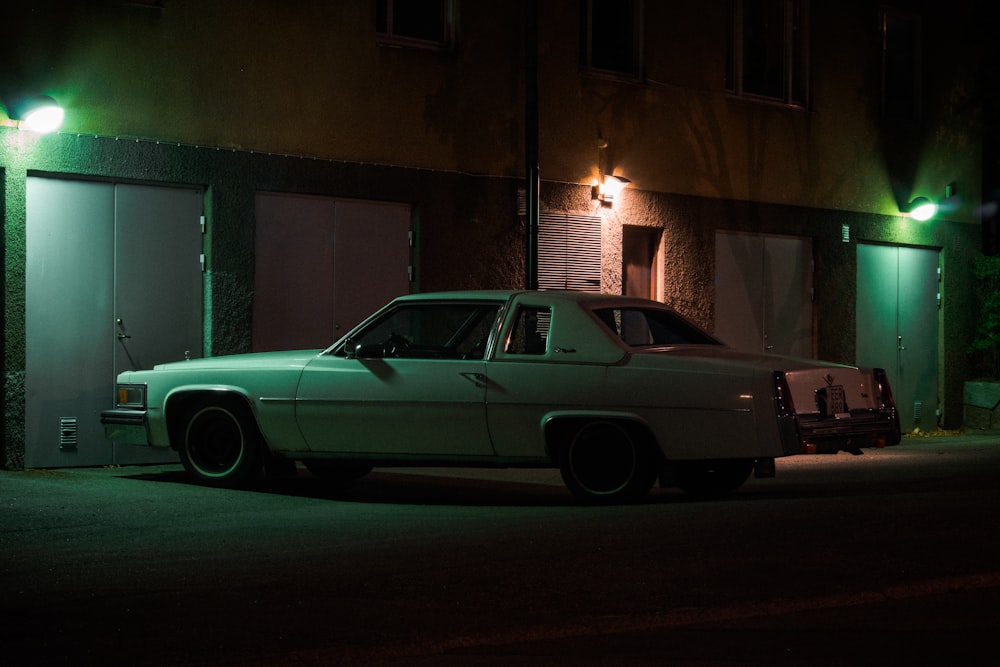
(900, 66)
(611, 37)
(769, 50)
(427, 24)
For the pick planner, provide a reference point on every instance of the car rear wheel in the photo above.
(604, 463)
(712, 478)
(220, 444)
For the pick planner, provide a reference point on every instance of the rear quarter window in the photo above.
(649, 327)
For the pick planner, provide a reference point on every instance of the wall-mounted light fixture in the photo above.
(607, 187)
(921, 209)
(40, 114)
(611, 187)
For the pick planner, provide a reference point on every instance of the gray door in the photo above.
(763, 293)
(897, 325)
(98, 253)
(322, 264)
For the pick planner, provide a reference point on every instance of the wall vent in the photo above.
(569, 251)
(68, 434)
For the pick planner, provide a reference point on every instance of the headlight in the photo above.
(132, 396)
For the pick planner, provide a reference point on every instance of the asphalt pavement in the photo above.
(892, 557)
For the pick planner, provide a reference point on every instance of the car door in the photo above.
(411, 382)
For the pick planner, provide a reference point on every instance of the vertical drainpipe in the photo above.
(532, 187)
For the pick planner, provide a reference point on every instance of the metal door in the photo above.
(371, 259)
(158, 275)
(322, 264)
(763, 293)
(897, 325)
(97, 253)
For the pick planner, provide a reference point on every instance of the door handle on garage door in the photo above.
(899, 344)
(122, 334)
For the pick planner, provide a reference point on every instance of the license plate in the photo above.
(835, 400)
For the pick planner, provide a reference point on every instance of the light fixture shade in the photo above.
(40, 114)
(922, 209)
(612, 187)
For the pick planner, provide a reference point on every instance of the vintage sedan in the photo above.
(616, 392)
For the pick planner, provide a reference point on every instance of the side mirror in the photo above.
(354, 350)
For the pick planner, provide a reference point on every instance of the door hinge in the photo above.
(409, 273)
(410, 238)
(202, 221)
(201, 261)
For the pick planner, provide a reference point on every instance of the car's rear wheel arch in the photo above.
(559, 431)
(588, 448)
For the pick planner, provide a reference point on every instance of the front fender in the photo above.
(163, 415)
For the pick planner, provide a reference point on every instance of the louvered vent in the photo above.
(569, 252)
(918, 410)
(68, 434)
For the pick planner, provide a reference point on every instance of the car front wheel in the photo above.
(220, 445)
(604, 463)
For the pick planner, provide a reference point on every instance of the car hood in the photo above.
(257, 360)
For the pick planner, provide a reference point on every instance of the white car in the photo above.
(616, 392)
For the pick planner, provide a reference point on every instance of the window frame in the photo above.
(518, 341)
(391, 38)
(795, 55)
(370, 339)
(637, 70)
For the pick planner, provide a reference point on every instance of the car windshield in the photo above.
(651, 327)
(428, 331)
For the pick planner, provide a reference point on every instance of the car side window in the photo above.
(530, 333)
(427, 331)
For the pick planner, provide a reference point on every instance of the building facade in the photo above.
(238, 176)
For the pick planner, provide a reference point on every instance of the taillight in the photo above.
(783, 395)
(882, 387)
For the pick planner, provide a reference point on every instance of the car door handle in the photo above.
(478, 379)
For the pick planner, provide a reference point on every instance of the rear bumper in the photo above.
(126, 426)
(860, 428)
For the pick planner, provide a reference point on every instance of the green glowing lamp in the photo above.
(922, 209)
(40, 114)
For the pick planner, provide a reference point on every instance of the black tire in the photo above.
(707, 479)
(605, 463)
(337, 474)
(220, 444)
